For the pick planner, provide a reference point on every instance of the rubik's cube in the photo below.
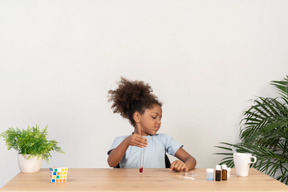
(58, 174)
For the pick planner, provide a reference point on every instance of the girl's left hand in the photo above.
(178, 166)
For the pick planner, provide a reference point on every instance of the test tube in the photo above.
(141, 159)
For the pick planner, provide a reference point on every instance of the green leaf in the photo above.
(31, 141)
(264, 133)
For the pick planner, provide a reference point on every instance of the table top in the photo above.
(109, 179)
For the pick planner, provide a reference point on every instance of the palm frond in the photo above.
(264, 133)
(268, 161)
(282, 86)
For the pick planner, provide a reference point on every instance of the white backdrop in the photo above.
(205, 60)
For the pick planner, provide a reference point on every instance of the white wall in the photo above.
(205, 60)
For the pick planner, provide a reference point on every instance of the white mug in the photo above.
(242, 163)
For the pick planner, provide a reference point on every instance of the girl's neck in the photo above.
(139, 131)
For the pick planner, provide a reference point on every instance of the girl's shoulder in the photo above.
(162, 136)
(121, 137)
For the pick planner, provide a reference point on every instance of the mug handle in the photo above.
(254, 159)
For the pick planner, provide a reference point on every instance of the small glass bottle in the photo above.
(218, 173)
(228, 172)
(210, 174)
(224, 172)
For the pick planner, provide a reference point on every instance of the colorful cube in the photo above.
(58, 174)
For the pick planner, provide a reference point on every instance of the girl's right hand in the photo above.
(136, 140)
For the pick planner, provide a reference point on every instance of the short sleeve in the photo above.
(116, 142)
(171, 146)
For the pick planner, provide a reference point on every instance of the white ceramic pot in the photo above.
(29, 165)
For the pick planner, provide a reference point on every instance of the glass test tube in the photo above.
(141, 159)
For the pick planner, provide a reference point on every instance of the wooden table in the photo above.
(109, 179)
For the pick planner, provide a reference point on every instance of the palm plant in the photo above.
(264, 133)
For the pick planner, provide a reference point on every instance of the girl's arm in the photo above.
(187, 161)
(117, 153)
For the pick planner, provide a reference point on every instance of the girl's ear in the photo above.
(137, 117)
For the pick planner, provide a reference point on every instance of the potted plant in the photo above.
(264, 133)
(32, 146)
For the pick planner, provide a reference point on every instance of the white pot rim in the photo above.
(25, 155)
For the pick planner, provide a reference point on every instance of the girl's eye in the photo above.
(154, 117)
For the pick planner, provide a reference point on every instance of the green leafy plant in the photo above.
(31, 141)
(264, 133)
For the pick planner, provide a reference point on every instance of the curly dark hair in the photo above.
(131, 97)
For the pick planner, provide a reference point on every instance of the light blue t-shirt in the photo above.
(154, 155)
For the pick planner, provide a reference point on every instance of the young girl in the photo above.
(134, 101)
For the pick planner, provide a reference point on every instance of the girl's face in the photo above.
(150, 120)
